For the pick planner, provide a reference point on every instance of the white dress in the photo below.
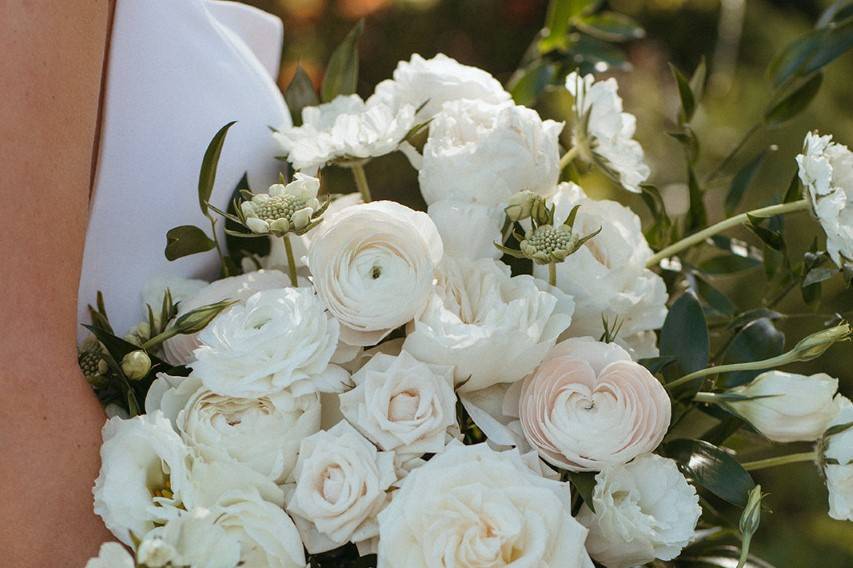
(178, 70)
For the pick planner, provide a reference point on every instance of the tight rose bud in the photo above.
(816, 344)
(135, 365)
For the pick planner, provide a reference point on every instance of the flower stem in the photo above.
(552, 273)
(361, 181)
(777, 361)
(568, 157)
(291, 261)
(707, 397)
(744, 550)
(780, 460)
(687, 242)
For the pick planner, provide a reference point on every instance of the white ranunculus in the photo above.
(588, 405)
(607, 276)
(263, 433)
(473, 507)
(839, 471)
(643, 510)
(277, 339)
(402, 404)
(826, 170)
(341, 485)
(179, 349)
(609, 136)
(345, 129)
(373, 266)
(468, 230)
(144, 475)
(493, 328)
(111, 555)
(788, 407)
(192, 539)
(478, 152)
(427, 84)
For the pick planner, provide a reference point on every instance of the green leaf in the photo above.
(836, 40)
(591, 54)
(658, 233)
(773, 239)
(792, 101)
(688, 101)
(610, 26)
(341, 77)
(207, 175)
(741, 182)
(558, 20)
(751, 315)
(697, 80)
(687, 139)
(712, 468)
(527, 84)
(186, 240)
(713, 297)
(793, 192)
(584, 484)
(299, 94)
(685, 336)
(656, 364)
(697, 216)
(728, 264)
(791, 59)
(837, 11)
(818, 274)
(757, 340)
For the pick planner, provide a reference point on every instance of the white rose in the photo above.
(426, 84)
(192, 539)
(608, 138)
(179, 349)
(472, 507)
(787, 407)
(468, 230)
(144, 475)
(484, 153)
(839, 472)
(826, 170)
(111, 555)
(643, 510)
(263, 433)
(588, 405)
(373, 266)
(402, 404)
(607, 276)
(345, 129)
(341, 484)
(277, 339)
(493, 328)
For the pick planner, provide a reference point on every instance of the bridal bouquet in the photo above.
(521, 375)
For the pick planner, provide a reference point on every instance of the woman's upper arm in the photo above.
(50, 83)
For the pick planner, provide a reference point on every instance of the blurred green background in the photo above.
(738, 38)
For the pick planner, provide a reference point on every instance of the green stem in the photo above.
(777, 361)
(744, 550)
(291, 261)
(695, 238)
(707, 397)
(361, 181)
(552, 273)
(160, 338)
(223, 264)
(780, 460)
(568, 157)
(722, 165)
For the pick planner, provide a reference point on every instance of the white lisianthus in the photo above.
(402, 404)
(278, 339)
(111, 555)
(826, 170)
(787, 407)
(427, 84)
(607, 276)
(643, 510)
(373, 266)
(179, 349)
(608, 139)
(341, 485)
(192, 539)
(838, 468)
(588, 405)
(493, 328)
(262, 433)
(478, 152)
(144, 476)
(468, 230)
(472, 507)
(284, 208)
(345, 129)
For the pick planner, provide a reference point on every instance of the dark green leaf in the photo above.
(658, 233)
(610, 26)
(712, 468)
(818, 274)
(752, 315)
(527, 84)
(697, 216)
(837, 429)
(656, 364)
(838, 11)
(688, 141)
(741, 182)
(793, 192)
(558, 20)
(793, 58)
(341, 77)
(186, 240)
(299, 94)
(688, 102)
(836, 41)
(591, 54)
(685, 335)
(207, 175)
(792, 101)
(713, 297)
(728, 264)
(773, 239)
(757, 340)
(584, 484)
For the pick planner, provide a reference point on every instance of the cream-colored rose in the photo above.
(111, 555)
(192, 539)
(839, 466)
(473, 507)
(341, 484)
(402, 404)
(373, 266)
(588, 405)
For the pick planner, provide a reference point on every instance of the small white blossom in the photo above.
(284, 208)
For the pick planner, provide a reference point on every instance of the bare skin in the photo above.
(50, 82)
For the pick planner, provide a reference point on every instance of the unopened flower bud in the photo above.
(197, 319)
(816, 344)
(519, 205)
(135, 365)
(751, 516)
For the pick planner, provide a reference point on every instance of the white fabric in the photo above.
(178, 71)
